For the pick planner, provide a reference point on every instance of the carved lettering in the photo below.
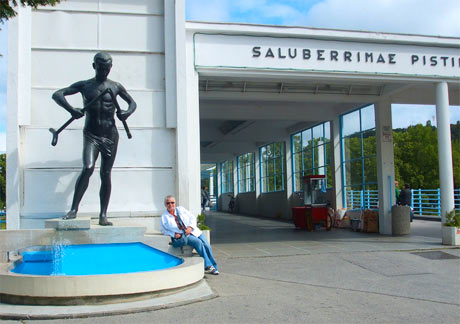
(347, 56)
(334, 55)
(279, 53)
(343, 56)
(320, 55)
(369, 57)
(256, 51)
(294, 54)
(269, 53)
(391, 58)
(444, 60)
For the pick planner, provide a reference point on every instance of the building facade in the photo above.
(210, 93)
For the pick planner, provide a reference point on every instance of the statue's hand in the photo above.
(78, 113)
(122, 115)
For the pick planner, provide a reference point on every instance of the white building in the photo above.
(207, 93)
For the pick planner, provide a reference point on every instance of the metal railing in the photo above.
(2, 219)
(425, 202)
(362, 199)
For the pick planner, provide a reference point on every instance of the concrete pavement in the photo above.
(272, 273)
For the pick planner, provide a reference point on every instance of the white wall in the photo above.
(63, 41)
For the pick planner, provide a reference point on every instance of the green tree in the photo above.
(416, 156)
(7, 6)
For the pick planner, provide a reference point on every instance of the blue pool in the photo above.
(95, 259)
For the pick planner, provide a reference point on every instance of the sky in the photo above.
(427, 17)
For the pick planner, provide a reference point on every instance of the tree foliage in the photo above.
(7, 6)
(416, 156)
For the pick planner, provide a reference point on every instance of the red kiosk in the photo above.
(315, 200)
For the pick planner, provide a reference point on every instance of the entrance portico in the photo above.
(210, 93)
(260, 84)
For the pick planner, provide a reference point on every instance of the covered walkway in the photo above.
(236, 235)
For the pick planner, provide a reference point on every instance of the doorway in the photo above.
(209, 181)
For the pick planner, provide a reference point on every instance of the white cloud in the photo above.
(427, 17)
(212, 11)
(400, 16)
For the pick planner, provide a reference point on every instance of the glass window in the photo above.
(350, 123)
(226, 175)
(246, 172)
(272, 167)
(359, 161)
(315, 157)
(367, 118)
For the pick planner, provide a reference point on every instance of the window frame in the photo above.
(248, 179)
(265, 163)
(226, 186)
(312, 149)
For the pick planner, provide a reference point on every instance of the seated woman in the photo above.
(180, 225)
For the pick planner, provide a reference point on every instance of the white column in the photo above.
(385, 164)
(188, 119)
(289, 180)
(18, 109)
(336, 164)
(211, 184)
(219, 186)
(235, 176)
(446, 175)
(170, 63)
(320, 152)
(257, 169)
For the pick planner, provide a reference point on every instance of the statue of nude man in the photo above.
(100, 135)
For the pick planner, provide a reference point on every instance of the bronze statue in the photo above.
(100, 135)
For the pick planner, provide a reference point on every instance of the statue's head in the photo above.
(102, 64)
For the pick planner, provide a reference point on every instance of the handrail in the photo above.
(425, 202)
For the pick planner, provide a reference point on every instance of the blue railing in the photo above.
(425, 202)
(359, 199)
(2, 219)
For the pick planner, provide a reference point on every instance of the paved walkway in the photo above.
(241, 236)
(272, 273)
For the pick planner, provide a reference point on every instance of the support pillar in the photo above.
(257, 172)
(235, 176)
(338, 197)
(446, 174)
(385, 164)
(288, 171)
(188, 175)
(18, 110)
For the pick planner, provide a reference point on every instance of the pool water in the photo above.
(94, 259)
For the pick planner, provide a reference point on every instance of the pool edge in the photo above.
(185, 274)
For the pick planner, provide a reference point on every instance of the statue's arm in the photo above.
(59, 98)
(124, 114)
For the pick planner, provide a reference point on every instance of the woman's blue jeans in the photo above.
(201, 245)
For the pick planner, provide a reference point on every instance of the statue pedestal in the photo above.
(79, 223)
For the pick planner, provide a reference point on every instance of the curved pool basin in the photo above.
(94, 259)
(74, 285)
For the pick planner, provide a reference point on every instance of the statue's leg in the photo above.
(90, 154)
(106, 185)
